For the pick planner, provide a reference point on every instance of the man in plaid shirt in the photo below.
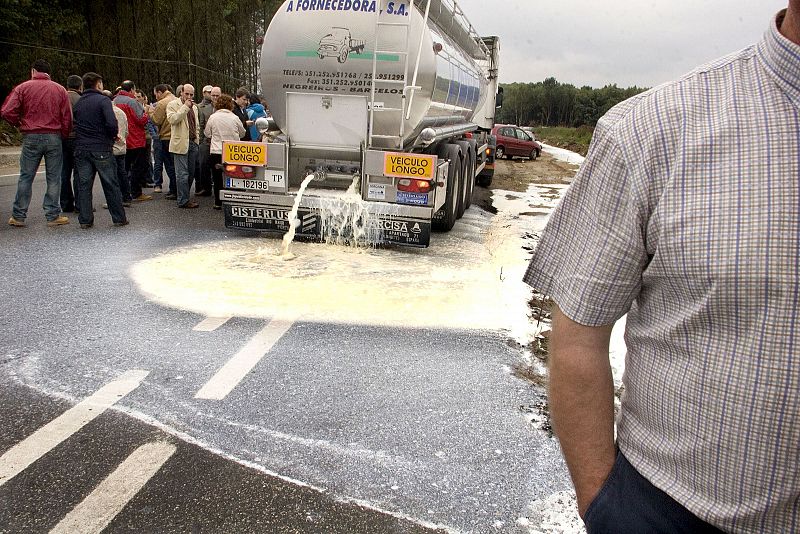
(685, 216)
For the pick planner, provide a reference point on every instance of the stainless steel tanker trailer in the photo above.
(389, 103)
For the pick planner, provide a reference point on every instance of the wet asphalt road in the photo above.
(340, 428)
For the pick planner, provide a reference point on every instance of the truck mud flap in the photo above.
(272, 219)
(275, 219)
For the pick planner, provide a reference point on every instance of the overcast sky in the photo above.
(627, 42)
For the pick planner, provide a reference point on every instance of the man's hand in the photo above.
(581, 394)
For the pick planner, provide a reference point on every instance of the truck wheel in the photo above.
(473, 145)
(343, 56)
(450, 208)
(484, 181)
(466, 164)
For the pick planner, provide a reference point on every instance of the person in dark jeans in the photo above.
(40, 108)
(69, 177)
(96, 129)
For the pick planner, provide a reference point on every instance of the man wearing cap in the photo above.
(202, 171)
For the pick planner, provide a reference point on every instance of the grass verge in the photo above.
(575, 139)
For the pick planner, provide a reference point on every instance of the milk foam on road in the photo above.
(467, 279)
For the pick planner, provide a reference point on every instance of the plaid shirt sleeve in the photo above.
(592, 253)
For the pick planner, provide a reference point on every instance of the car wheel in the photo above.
(534, 155)
(499, 152)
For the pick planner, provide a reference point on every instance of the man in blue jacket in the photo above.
(95, 132)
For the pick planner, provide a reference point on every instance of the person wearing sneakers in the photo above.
(40, 108)
(183, 144)
(96, 129)
(136, 156)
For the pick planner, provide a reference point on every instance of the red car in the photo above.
(514, 141)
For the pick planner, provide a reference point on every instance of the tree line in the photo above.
(147, 41)
(550, 103)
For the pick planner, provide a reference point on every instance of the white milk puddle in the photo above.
(455, 283)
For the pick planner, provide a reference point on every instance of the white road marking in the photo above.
(96, 511)
(24, 453)
(209, 324)
(17, 175)
(229, 376)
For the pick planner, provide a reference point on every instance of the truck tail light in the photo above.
(240, 171)
(414, 186)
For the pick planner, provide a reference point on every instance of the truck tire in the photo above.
(466, 163)
(484, 181)
(342, 57)
(473, 145)
(452, 198)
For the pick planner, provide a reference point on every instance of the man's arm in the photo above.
(176, 112)
(12, 108)
(160, 115)
(66, 116)
(581, 394)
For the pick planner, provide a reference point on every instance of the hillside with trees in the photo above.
(550, 103)
(147, 41)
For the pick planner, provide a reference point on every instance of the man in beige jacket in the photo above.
(183, 144)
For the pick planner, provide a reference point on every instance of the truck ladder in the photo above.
(378, 50)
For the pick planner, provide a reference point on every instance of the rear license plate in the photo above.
(244, 183)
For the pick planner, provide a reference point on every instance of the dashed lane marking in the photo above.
(24, 453)
(209, 324)
(97, 510)
(229, 376)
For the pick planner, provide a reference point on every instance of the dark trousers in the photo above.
(136, 165)
(204, 178)
(122, 178)
(103, 163)
(629, 504)
(213, 161)
(169, 164)
(69, 176)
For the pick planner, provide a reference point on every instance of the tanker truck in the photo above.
(384, 145)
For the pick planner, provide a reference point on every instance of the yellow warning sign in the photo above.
(401, 165)
(244, 153)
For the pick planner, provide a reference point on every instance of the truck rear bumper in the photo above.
(388, 223)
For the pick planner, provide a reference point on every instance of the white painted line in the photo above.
(17, 175)
(96, 511)
(209, 324)
(243, 362)
(24, 453)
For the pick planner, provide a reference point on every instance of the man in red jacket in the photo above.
(41, 110)
(136, 155)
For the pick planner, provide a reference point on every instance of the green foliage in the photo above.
(575, 139)
(195, 41)
(550, 103)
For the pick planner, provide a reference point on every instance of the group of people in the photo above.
(86, 130)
